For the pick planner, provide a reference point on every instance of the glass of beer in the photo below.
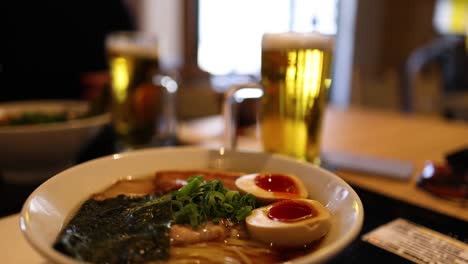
(143, 103)
(295, 78)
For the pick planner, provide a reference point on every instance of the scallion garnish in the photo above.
(200, 201)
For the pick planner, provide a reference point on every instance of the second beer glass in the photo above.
(143, 111)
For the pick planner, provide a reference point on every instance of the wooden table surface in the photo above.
(413, 138)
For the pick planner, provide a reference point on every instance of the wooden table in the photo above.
(397, 136)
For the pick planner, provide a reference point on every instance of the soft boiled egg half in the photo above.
(289, 223)
(269, 187)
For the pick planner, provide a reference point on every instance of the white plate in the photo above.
(200, 130)
(208, 132)
(49, 207)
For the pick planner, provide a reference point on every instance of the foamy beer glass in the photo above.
(143, 104)
(296, 76)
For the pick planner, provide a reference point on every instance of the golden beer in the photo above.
(296, 76)
(135, 99)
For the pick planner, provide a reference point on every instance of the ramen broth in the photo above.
(233, 246)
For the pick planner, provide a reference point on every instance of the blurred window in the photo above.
(451, 16)
(230, 30)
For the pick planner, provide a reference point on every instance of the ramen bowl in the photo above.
(51, 205)
(41, 138)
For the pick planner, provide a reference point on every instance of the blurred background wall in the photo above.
(386, 33)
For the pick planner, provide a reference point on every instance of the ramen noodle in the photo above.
(218, 240)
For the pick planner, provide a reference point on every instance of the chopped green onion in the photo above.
(201, 201)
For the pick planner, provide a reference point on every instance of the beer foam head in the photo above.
(293, 40)
(137, 45)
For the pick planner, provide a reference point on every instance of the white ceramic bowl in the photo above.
(33, 153)
(49, 207)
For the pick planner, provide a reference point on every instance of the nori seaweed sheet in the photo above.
(119, 230)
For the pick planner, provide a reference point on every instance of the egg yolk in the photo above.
(276, 183)
(291, 210)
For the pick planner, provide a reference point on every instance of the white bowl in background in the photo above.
(52, 204)
(33, 153)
